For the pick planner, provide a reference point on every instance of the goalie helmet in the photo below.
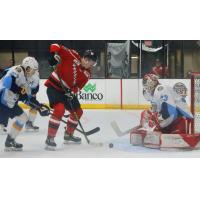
(30, 65)
(149, 82)
(180, 89)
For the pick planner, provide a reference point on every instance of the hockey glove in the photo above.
(69, 95)
(54, 59)
(44, 110)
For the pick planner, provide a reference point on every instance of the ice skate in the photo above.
(30, 127)
(69, 138)
(50, 144)
(12, 145)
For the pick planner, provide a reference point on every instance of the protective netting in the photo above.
(195, 94)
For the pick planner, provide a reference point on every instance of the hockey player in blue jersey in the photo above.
(14, 86)
(33, 83)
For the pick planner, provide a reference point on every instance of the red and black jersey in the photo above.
(72, 74)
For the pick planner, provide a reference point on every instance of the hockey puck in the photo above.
(111, 145)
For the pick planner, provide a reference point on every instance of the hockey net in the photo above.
(195, 101)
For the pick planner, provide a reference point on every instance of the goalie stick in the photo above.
(75, 114)
(122, 133)
(117, 129)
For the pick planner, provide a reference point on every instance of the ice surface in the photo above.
(34, 143)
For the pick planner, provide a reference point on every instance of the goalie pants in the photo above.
(178, 126)
(59, 102)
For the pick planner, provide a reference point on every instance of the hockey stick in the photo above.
(86, 132)
(75, 114)
(122, 133)
(118, 131)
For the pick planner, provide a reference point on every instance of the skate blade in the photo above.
(9, 149)
(31, 130)
(71, 142)
(49, 148)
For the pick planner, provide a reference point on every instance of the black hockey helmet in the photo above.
(90, 54)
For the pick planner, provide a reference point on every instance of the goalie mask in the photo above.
(149, 82)
(180, 89)
(30, 65)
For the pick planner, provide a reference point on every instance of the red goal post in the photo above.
(195, 101)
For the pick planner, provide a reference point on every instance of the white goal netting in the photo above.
(195, 101)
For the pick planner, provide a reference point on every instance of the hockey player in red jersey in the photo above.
(73, 72)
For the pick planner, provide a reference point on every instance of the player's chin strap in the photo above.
(76, 116)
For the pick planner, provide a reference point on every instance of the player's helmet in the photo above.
(30, 62)
(149, 82)
(30, 65)
(180, 89)
(90, 54)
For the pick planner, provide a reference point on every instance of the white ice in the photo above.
(34, 143)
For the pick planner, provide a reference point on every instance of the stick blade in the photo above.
(95, 130)
(119, 132)
(116, 128)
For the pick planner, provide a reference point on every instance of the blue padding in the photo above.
(184, 113)
(7, 81)
(168, 110)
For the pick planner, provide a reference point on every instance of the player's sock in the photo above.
(16, 128)
(54, 124)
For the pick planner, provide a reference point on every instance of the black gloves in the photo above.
(54, 59)
(44, 110)
(41, 108)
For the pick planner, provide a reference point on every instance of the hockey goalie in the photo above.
(167, 124)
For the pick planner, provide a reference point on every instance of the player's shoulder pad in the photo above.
(54, 48)
(15, 71)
